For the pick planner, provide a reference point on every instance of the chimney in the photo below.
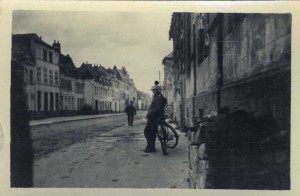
(56, 45)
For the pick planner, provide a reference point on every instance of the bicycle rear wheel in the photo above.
(171, 136)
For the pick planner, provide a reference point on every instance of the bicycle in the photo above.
(167, 135)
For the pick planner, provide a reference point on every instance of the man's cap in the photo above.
(156, 86)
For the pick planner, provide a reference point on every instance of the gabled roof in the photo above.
(98, 73)
(168, 57)
(26, 39)
(21, 44)
(67, 66)
(121, 74)
(21, 47)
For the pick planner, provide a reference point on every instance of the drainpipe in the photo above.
(220, 60)
(195, 83)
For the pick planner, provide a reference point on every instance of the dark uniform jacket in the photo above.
(130, 110)
(156, 110)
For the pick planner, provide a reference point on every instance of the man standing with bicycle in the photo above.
(155, 113)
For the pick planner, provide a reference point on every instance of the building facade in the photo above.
(125, 90)
(239, 61)
(98, 87)
(41, 74)
(71, 88)
(55, 87)
(167, 87)
(143, 100)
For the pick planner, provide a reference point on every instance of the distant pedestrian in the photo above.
(131, 111)
(155, 113)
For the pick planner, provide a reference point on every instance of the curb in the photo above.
(32, 124)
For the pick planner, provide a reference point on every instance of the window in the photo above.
(79, 104)
(45, 76)
(39, 100)
(56, 78)
(79, 88)
(31, 77)
(187, 113)
(44, 54)
(45, 101)
(38, 74)
(66, 102)
(69, 102)
(201, 112)
(26, 75)
(56, 101)
(51, 102)
(72, 102)
(50, 57)
(61, 102)
(51, 76)
(66, 84)
(203, 45)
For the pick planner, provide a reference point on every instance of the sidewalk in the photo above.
(47, 121)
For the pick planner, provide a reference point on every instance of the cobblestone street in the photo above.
(112, 159)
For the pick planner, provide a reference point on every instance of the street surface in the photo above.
(105, 153)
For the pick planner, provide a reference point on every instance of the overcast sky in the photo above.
(139, 41)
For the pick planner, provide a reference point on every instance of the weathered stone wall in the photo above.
(206, 102)
(256, 46)
(176, 109)
(205, 80)
(190, 81)
(248, 70)
(188, 103)
(239, 151)
(257, 65)
(207, 73)
(262, 96)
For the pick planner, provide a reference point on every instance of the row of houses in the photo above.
(55, 86)
(238, 61)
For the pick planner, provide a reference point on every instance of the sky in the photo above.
(137, 40)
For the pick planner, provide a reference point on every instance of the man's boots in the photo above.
(150, 146)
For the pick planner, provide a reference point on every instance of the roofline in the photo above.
(38, 39)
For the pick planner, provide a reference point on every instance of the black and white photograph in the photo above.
(151, 100)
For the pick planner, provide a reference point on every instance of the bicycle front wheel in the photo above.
(162, 138)
(163, 146)
(171, 136)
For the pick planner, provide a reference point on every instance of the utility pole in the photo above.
(159, 76)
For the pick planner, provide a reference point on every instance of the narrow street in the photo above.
(224, 78)
(110, 159)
